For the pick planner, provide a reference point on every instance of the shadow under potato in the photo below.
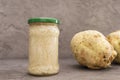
(115, 63)
(80, 67)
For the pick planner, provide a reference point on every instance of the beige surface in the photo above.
(91, 49)
(75, 16)
(114, 39)
(15, 69)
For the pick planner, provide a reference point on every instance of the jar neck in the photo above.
(45, 24)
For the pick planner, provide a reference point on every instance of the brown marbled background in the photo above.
(75, 16)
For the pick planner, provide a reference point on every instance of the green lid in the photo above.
(43, 20)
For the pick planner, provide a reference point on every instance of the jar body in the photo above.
(43, 49)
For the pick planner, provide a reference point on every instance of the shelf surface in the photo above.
(16, 69)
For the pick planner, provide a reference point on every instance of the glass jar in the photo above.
(43, 46)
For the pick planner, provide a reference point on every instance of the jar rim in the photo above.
(43, 20)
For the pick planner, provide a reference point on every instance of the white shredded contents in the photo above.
(43, 49)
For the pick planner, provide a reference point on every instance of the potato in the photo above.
(91, 49)
(114, 39)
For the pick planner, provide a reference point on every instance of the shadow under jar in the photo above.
(43, 46)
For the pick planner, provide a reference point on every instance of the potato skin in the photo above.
(114, 39)
(91, 49)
